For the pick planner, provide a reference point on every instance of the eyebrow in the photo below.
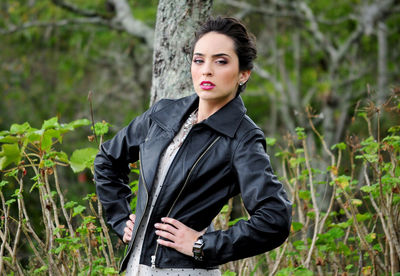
(216, 55)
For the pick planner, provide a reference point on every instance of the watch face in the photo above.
(198, 250)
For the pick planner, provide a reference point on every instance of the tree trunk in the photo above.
(175, 28)
(382, 61)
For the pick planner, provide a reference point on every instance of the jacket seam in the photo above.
(255, 129)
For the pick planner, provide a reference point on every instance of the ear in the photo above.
(244, 75)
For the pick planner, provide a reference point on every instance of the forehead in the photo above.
(214, 43)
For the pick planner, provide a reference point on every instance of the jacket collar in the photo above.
(226, 120)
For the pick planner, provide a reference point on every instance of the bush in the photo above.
(357, 233)
(72, 239)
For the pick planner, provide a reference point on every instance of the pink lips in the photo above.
(207, 85)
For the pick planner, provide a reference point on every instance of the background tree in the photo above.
(175, 28)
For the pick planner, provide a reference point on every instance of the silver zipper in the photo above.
(153, 257)
(147, 199)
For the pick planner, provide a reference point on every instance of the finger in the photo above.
(127, 231)
(166, 235)
(167, 243)
(129, 224)
(126, 238)
(132, 217)
(174, 222)
(166, 227)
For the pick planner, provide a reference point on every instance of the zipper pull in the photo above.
(153, 261)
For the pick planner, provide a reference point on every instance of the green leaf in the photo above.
(336, 233)
(362, 114)
(54, 133)
(233, 222)
(41, 269)
(297, 226)
(356, 202)
(345, 224)
(78, 210)
(300, 133)
(368, 189)
(363, 217)
(19, 129)
(3, 183)
(377, 247)
(229, 273)
(79, 123)
(9, 202)
(47, 141)
(8, 259)
(225, 208)
(341, 146)
(51, 123)
(82, 158)
(270, 141)
(10, 154)
(394, 129)
(305, 195)
(370, 237)
(111, 270)
(311, 214)
(301, 271)
(34, 136)
(299, 245)
(49, 163)
(101, 128)
(60, 248)
(70, 204)
(9, 139)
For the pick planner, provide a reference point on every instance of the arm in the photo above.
(111, 169)
(265, 200)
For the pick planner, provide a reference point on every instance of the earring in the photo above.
(241, 83)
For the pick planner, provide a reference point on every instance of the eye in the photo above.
(197, 60)
(221, 61)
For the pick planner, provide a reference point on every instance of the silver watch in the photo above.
(198, 249)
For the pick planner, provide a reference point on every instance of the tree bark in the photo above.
(382, 61)
(175, 28)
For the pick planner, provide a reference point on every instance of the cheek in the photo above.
(230, 77)
(194, 72)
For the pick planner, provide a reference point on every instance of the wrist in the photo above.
(198, 249)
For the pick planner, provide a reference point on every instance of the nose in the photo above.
(206, 69)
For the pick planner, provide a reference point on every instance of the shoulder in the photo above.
(247, 128)
(168, 102)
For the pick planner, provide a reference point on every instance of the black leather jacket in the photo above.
(222, 156)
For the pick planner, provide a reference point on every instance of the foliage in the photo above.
(358, 234)
(360, 225)
(73, 238)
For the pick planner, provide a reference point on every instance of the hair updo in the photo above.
(244, 41)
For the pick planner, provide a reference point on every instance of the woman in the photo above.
(195, 153)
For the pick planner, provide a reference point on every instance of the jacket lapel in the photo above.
(171, 117)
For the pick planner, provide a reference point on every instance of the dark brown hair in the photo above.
(244, 41)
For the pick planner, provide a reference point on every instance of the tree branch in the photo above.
(244, 6)
(132, 26)
(74, 9)
(122, 21)
(313, 28)
(60, 23)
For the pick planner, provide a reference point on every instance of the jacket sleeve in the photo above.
(265, 200)
(111, 169)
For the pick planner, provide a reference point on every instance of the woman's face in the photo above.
(215, 69)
